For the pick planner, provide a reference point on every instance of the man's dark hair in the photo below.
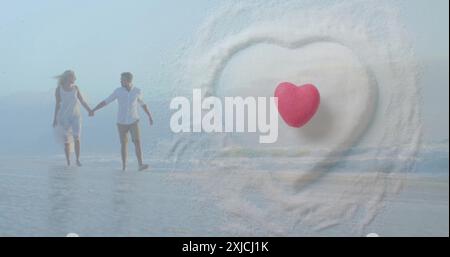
(127, 75)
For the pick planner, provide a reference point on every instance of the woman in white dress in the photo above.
(67, 118)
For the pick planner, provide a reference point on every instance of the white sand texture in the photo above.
(358, 55)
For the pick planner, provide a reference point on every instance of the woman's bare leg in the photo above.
(67, 152)
(77, 151)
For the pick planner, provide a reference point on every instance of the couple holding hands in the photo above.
(67, 116)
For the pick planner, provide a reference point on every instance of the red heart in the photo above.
(297, 104)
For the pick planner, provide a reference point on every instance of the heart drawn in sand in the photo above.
(297, 104)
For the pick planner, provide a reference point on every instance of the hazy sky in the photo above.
(100, 39)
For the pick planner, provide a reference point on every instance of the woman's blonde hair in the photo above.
(64, 77)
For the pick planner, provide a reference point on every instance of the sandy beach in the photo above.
(101, 200)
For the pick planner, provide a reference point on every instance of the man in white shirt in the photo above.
(128, 98)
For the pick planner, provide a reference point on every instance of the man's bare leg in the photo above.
(137, 148)
(67, 152)
(77, 151)
(123, 151)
